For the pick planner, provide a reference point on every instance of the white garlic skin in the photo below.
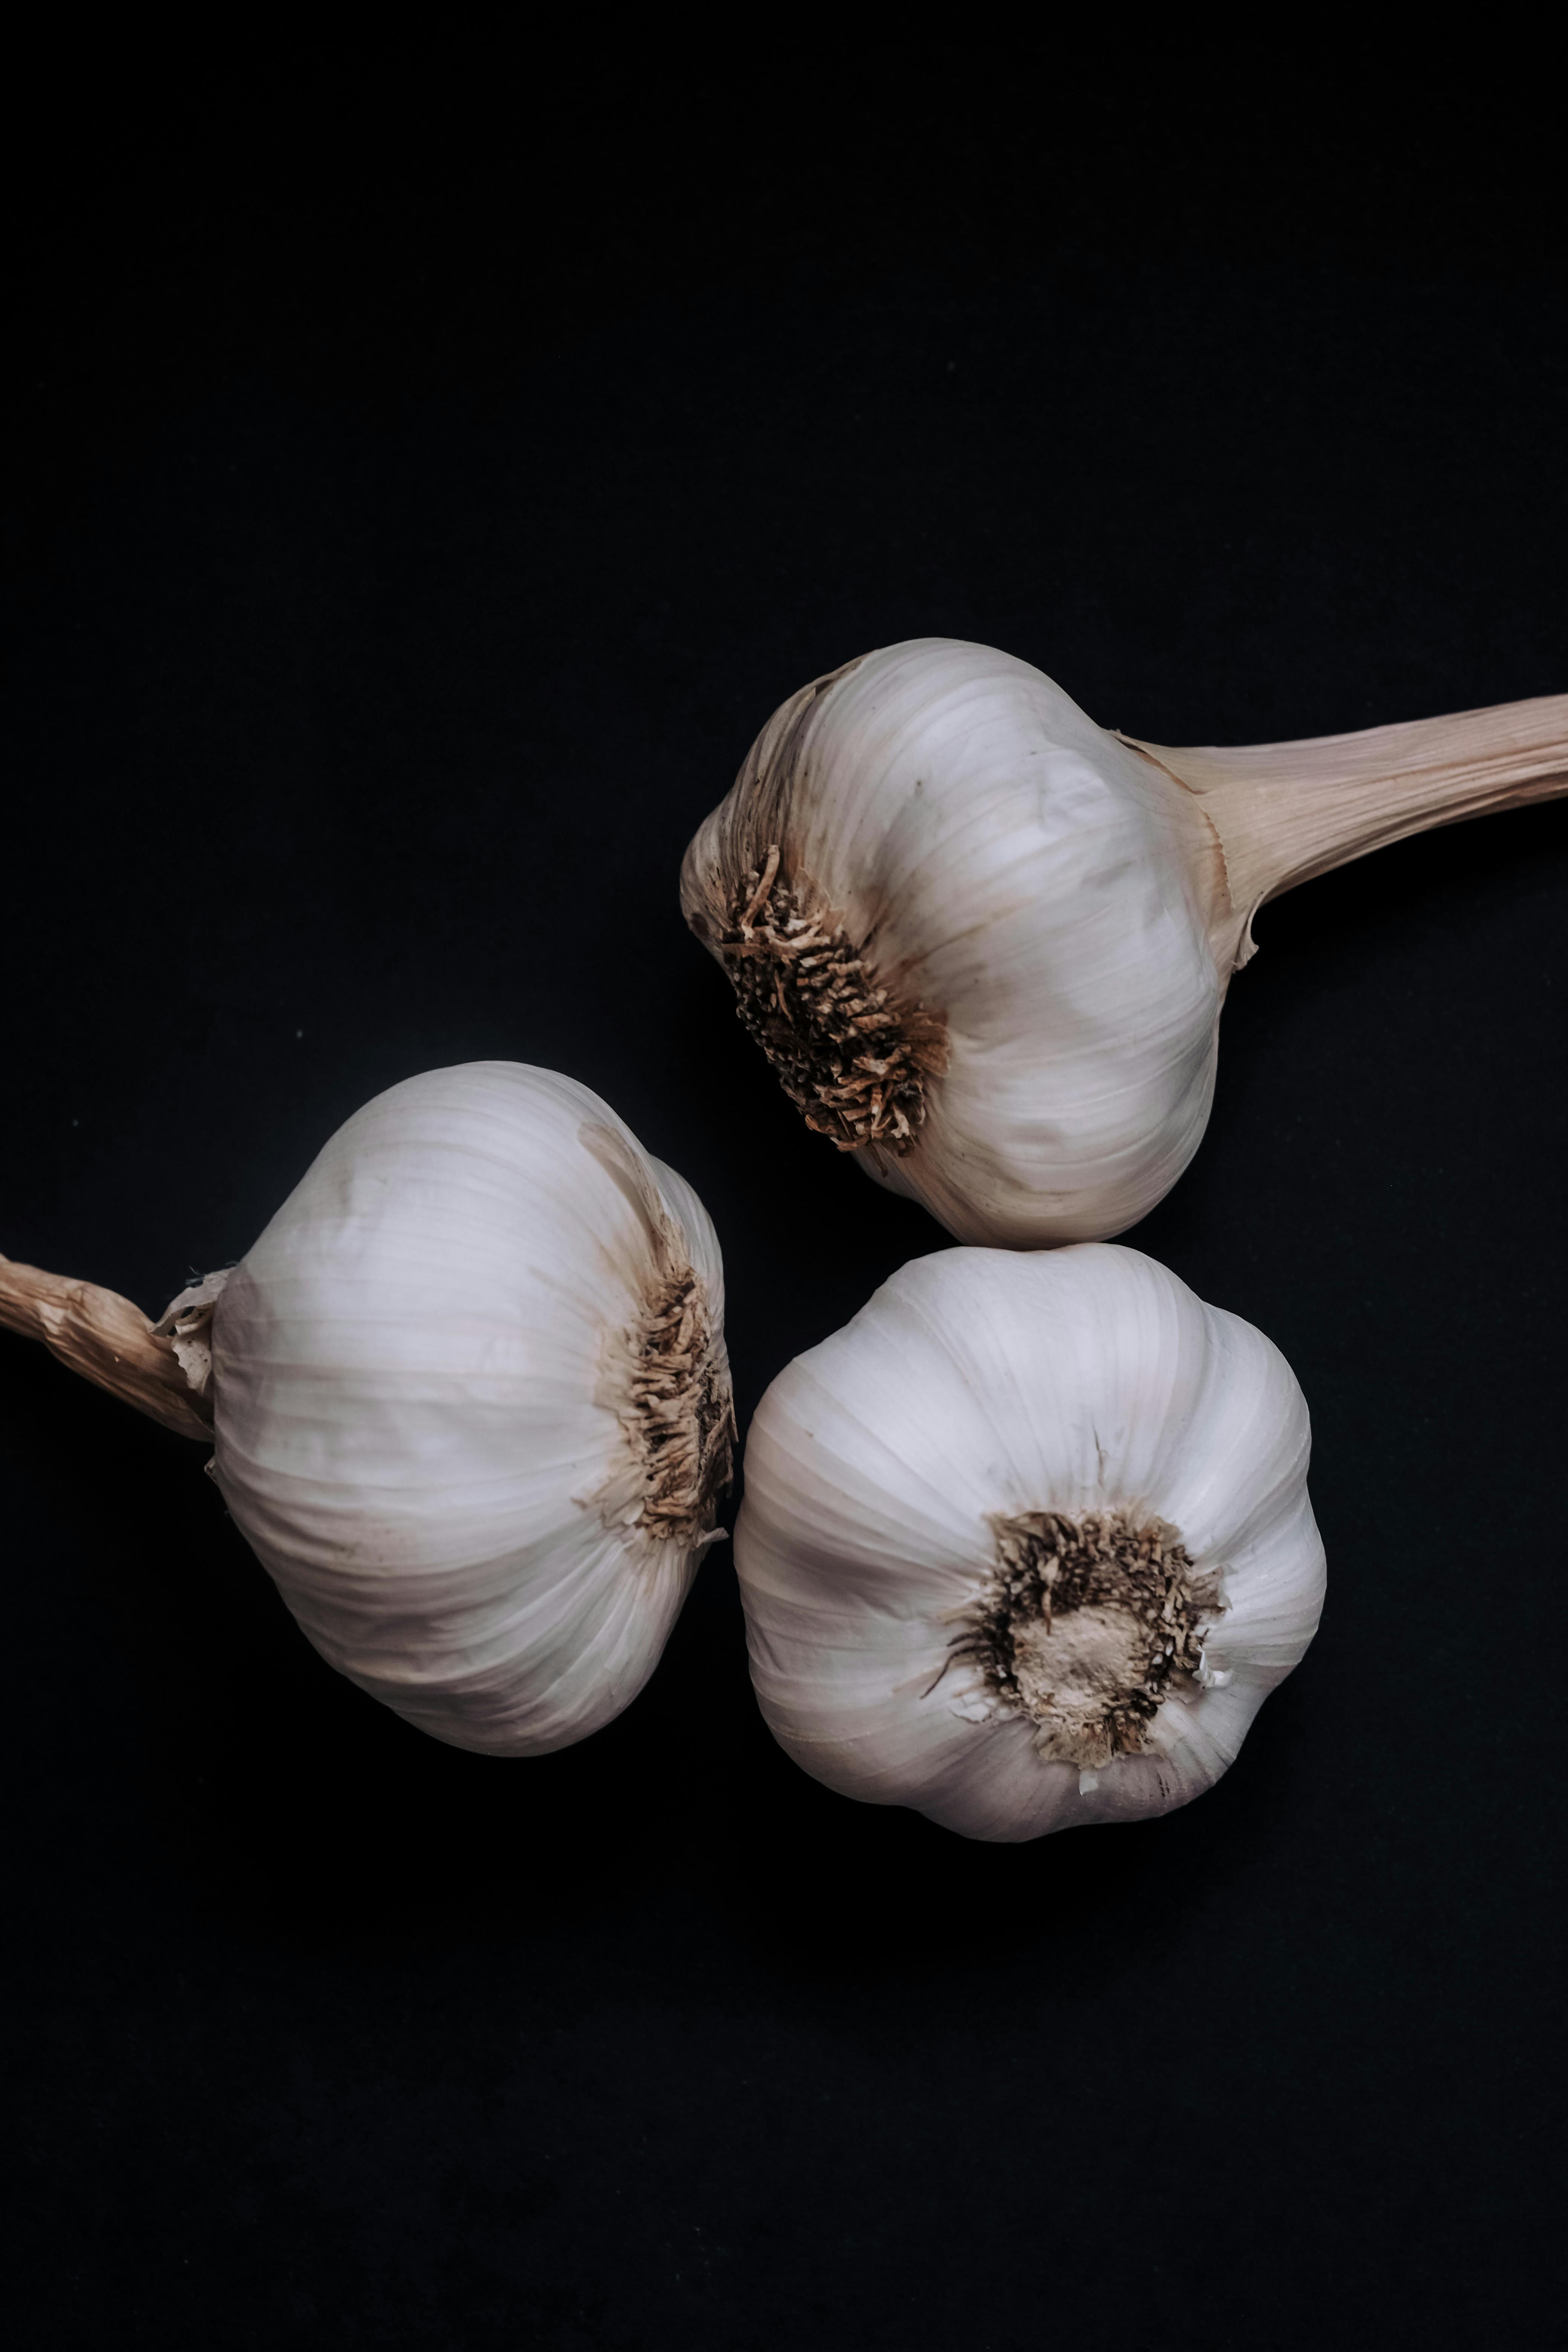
(980, 1383)
(1044, 889)
(416, 1372)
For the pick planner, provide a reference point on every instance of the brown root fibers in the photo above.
(849, 1055)
(1091, 1622)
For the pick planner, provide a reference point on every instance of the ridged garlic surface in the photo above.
(1027, 1543)
(950, 835)
(984, 943)
(471, 1403)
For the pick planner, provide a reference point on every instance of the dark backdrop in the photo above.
(412, 513)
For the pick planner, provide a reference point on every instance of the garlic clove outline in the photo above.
(1086, 1393)
(469, 1396)
(986, 942)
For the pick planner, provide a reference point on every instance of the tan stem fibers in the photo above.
(107, 1341)
(1283, 812)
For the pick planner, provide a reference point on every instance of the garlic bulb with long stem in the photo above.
(985, 943)
(1027, 1543)
(469, 1400)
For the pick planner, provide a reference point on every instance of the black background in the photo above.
(416, 501)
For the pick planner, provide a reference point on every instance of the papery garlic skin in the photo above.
(1026, 880)
(428, 1418)
(978, 1386)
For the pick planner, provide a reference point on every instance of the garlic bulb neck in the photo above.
(850, 1054)
(1093, 1619)
(1285, 812)
(109, 1341)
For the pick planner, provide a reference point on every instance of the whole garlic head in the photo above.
(472, 1403)
(967, 926)
(1027, 1543)
(984, 943)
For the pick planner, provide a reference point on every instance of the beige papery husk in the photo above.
(469, 1398)
(985, 943)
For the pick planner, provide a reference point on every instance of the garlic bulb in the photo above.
(470, 1396)
(1027, 1543)
(985, 943)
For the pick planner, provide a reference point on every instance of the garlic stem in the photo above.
(105, 1338)
(1283, 812)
